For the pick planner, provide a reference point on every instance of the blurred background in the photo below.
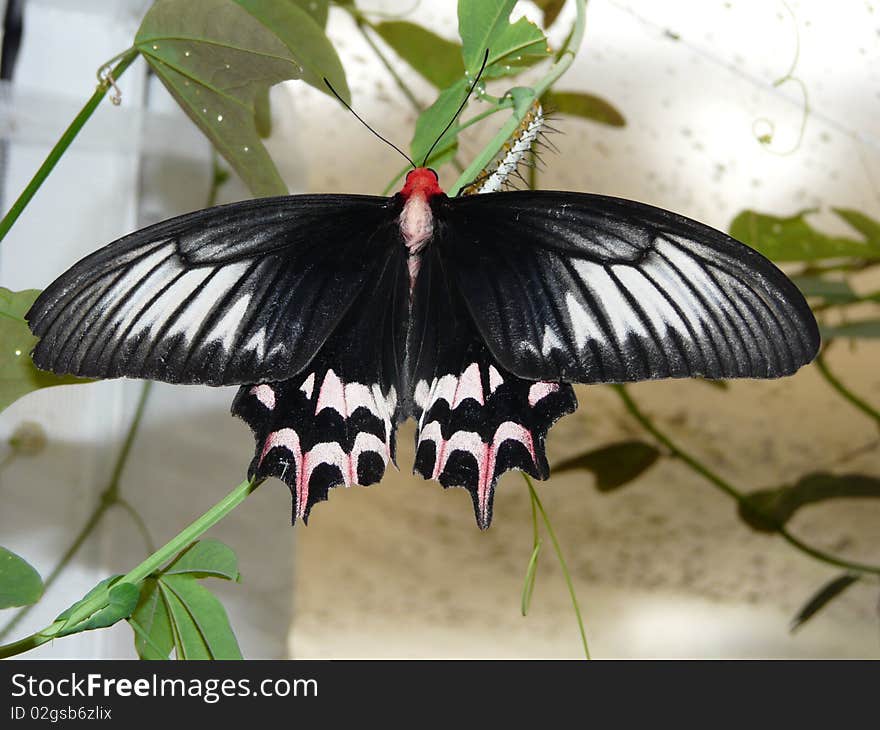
(663, 566)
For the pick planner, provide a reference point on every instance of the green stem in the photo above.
(562, 563)
(155, 561)
(731, 491)
(60, 148)
(107, 499)
(845, 392)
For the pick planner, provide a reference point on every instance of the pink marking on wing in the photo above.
(329, 452)
(288, 439)
(541, 390)
(495, 379)
(507, 431)
(332, 395)
(468, 385)
(357, 396)
(364, 442)
(308, 385)
(265, 395)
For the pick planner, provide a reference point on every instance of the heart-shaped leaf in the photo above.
(218, 58)
(585, 106)
(485, 25)
(614, 465)
(18, 374)
(767, 510)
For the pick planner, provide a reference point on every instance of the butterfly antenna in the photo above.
(357, 116)
(463, 104)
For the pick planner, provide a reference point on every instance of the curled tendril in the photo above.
(766, 138)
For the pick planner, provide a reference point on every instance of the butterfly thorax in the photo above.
(416, 218)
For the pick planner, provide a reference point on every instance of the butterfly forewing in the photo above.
(586, 288)
(240, 293)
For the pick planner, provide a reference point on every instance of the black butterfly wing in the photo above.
(240, 293)
(476, 420)
(334, 422)
(585, 288)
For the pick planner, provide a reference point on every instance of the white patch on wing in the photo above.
(469, 385)
(583, 323)
(226, 329)
(134, 279)
(495, 379)
(308, 385)
(670, 281)
(257, 343)
(623, 319)
(656, 307)
(190, 319)
(422, 395)
(167, 303)
(550, 341)
(265, 394)
(331, 395)
(541, 390)
(147, 282)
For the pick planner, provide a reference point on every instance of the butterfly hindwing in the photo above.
(476, 420)
(234, 294)
(334, 423)
(586, 288)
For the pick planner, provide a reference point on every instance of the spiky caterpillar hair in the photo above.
(495, 176)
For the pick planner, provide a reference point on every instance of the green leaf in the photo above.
(550, 10)
(154, 637)
(217, 56)
(485, 25)
(833, 291)
(207, 614)
(531, 575)
(436, 59)
(188, 640)
(206, 558)
(316, 8)
(767, 510)
(305, 39)
(614, 465)
(794, 239)
(432, 121)
(821, 598)
(868, 227)
(100, 588)
(122, 598)
(176, 612)
(18, 374)
(864, 329)
(585, 106)
(20, 584)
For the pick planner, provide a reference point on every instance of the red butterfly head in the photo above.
(422, 182)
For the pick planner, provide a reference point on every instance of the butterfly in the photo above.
(341, 316)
